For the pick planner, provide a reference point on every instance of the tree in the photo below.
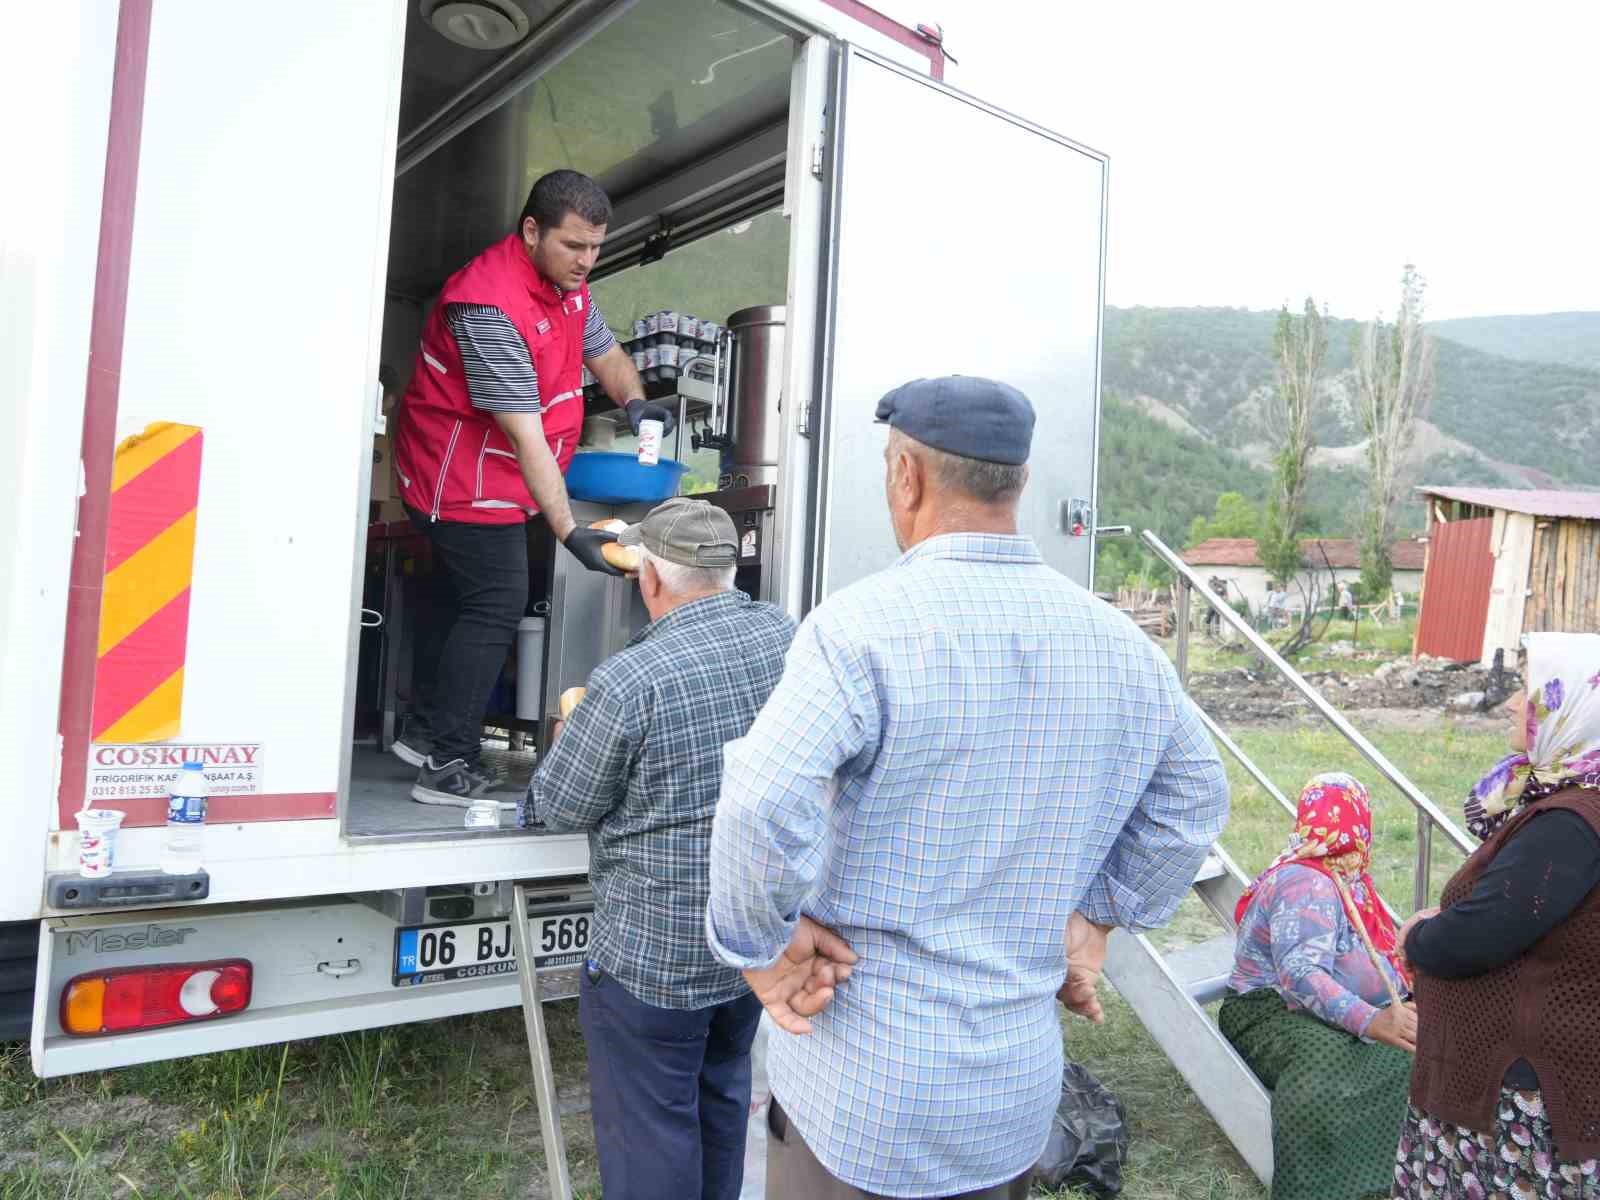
(1300, 348)
(1394, 376)
(1235, 517)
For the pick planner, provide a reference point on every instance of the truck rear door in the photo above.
(243, 426)
(964, 240)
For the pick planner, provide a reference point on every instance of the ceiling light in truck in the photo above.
(477, 24)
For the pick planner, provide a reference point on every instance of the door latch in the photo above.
(1077, 517)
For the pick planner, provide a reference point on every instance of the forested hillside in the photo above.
(1572, 338)
(1212, 367)
(1153, 477)
(1184, 390)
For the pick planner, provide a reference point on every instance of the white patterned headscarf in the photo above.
(1563, 731)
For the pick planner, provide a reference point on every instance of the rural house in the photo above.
(1506, 561)
(1237, 561)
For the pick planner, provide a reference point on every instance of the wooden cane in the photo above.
(1366, 938)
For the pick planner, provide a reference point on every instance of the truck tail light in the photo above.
(132, 998)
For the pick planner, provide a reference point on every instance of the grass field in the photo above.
(443, 1109)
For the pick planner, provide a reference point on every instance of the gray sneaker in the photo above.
(413, 748)
(457, 785)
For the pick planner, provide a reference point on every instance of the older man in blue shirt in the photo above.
(971, 771)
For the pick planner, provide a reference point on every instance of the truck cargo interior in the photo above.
(680, 110)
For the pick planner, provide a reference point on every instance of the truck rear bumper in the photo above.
(319, 967)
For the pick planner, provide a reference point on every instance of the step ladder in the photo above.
(1168, 992)
(544, 1075)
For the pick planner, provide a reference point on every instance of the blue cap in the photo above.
(964, 415)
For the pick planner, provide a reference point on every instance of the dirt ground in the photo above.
(1399, 695)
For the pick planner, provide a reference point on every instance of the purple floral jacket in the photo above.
(1296, 939)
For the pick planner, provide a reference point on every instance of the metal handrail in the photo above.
(1260, 776)
(1429, 814)
(1248, 763)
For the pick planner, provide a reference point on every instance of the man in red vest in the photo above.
(486, 431)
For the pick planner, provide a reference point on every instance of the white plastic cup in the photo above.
(97, 841)
(650, 432)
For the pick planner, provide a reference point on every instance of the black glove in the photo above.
(585, 545)
(649, 410)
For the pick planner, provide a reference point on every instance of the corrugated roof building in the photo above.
(1502, 562)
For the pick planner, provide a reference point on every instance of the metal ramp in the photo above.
(1169, 991)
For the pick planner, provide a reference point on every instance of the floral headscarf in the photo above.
(1563, 731)
(1333, 834)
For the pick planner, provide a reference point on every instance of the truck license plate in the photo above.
(476, 949)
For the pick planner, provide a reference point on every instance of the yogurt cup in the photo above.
(650, 432)
(97, 840)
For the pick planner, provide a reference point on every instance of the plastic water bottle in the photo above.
(186, 821)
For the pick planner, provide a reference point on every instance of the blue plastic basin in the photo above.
(609, 477)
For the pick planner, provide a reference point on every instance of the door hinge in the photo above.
(819, 148)
(380, 423)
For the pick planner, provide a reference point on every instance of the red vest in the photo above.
(451, 459)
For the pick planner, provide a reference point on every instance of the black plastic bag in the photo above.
(1088, 1137)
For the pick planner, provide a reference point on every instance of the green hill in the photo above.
(1154, 477)
(1182, 424)
(1571, 338)
(1212, 367)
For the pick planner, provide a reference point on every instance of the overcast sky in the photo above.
(1260, 151)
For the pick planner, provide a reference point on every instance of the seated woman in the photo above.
(1505, 1093)
(1314, 1004)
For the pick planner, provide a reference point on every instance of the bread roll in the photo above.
(623, 558)
(610, 525)
(570, 700)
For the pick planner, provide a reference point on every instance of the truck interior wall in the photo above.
(402, 331)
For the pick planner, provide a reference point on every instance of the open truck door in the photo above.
(215, 539)
(966, 241)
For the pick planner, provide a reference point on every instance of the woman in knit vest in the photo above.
(1315, 1002)
(1505, 1090)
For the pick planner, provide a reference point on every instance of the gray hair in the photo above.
(977, 478)
(688, 581)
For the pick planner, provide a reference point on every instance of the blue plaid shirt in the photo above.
(964, 749)
(639, 767)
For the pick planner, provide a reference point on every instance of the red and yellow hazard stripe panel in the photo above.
(144, 608)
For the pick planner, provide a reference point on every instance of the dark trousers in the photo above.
(480, 593)
(670, 1090)
(795, 1173)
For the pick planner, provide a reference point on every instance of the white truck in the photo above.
(231, 229)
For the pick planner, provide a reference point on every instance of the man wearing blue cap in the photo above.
(970, 771)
